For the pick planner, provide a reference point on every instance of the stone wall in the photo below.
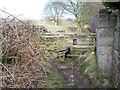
(116, 56)
(108, 35)
(1, 75)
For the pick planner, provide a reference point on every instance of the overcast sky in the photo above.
(31, 9)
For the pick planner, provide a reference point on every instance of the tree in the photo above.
(54, 11)
(73, 7)
(82, 11)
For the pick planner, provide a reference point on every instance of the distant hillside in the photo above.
(68, 25)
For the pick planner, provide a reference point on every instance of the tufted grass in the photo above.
(54, 80)
(90, 65)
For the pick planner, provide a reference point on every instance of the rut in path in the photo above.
(69, 71)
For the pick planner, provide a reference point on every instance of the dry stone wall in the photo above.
(1, 75)
(116, 56)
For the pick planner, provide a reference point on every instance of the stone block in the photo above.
(105, 41)
(105, 63)
(105, 22)
(105, 50)
(103, 15)
(106, 32)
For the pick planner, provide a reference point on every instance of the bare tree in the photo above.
(82, 11)
(73, 7)
(54, 11)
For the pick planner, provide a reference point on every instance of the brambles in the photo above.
(22, 57)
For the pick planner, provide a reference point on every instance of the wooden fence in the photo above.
(83, 44)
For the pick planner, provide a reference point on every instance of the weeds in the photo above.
(90, 68)
(54, 80)
(22, 57)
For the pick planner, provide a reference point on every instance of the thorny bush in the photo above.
(24, 62)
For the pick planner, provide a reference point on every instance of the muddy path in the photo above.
(69, 71)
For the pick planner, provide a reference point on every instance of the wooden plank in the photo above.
(72, 55)
(61, 53)
(80, 46)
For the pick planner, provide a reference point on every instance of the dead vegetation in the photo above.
(24, 63)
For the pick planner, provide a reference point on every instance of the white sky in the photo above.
(31, 9)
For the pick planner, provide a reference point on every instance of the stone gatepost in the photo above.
(105, 41)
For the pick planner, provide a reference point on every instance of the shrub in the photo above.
(25, 63)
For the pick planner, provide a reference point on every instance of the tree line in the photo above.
(81, 11)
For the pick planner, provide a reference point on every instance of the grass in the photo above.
(56, 45)
(63, 26)
(83, 68)
(54, 80)
(90, 65)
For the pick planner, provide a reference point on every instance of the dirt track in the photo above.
(69, 71)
